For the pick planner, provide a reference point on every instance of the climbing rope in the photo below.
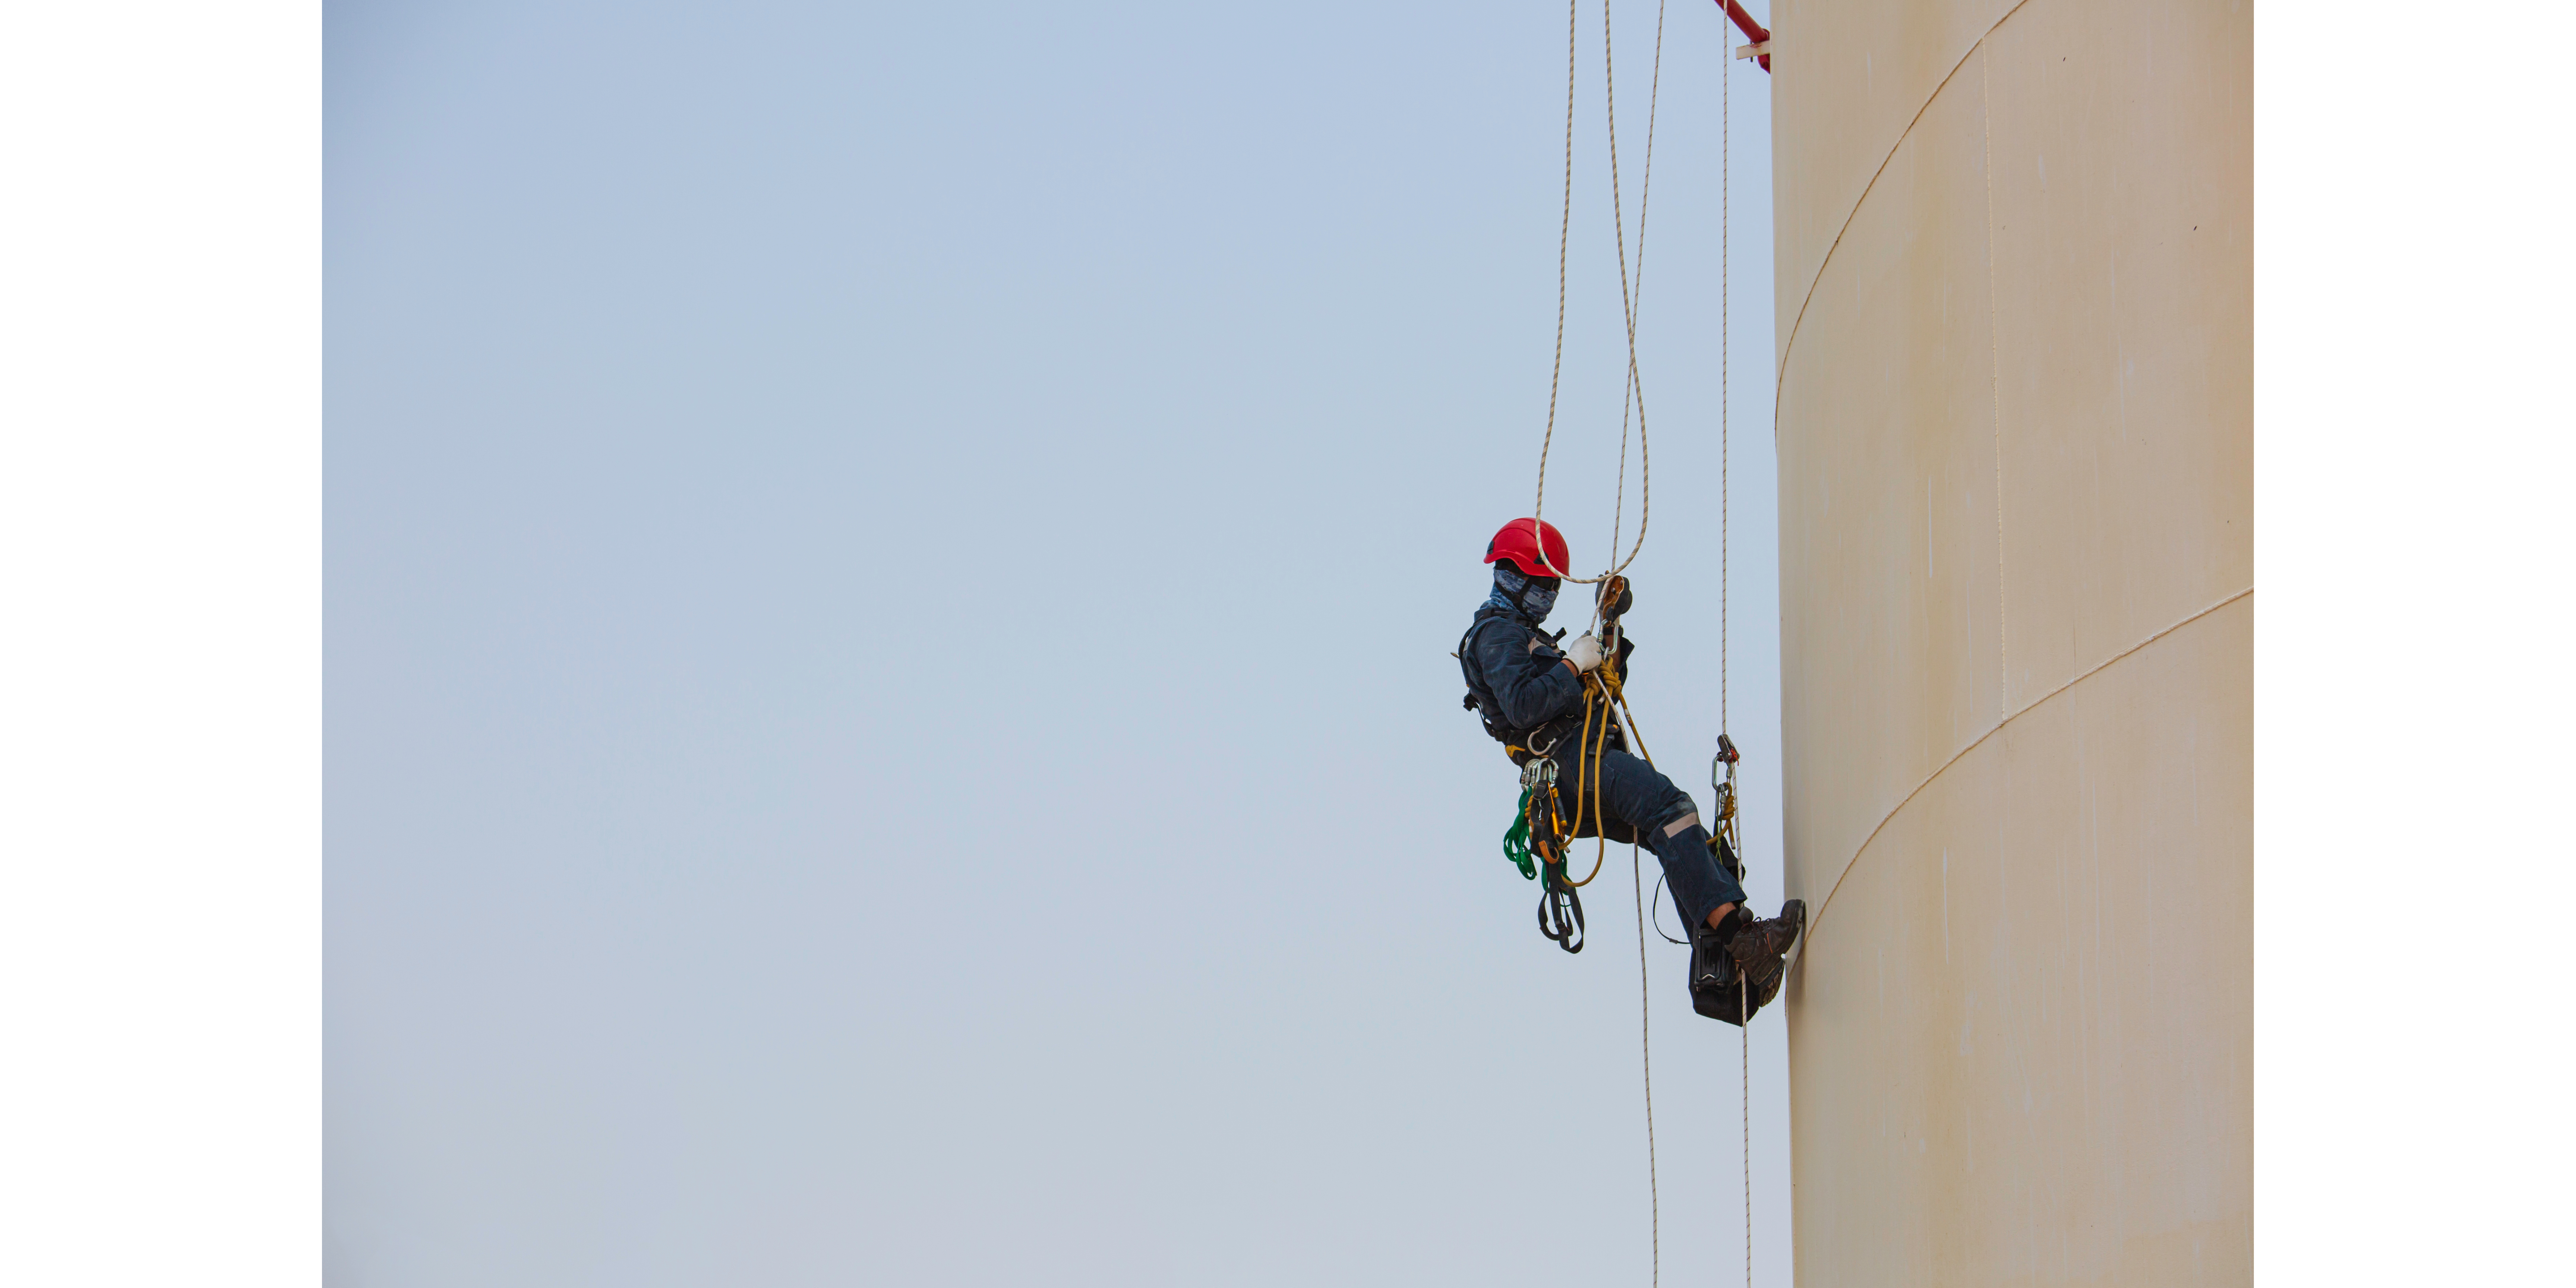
(1603, 688)
(1603, 683)
(1645, 193)
(1646, 1061)
(1603, 691)
(1564, 232)
(1725, 601)
(1603, 697)
(1627, 297)
(1725, 490)
(1587, 752)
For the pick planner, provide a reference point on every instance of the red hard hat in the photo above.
(1519, 542)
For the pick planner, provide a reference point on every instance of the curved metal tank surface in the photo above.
(2015, 432)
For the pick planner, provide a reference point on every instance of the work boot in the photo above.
(1758, 944)
(1725, 986)
(1752, 944)
(1764, 979)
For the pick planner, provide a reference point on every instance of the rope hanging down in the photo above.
(1603, 688)
(1606, 689)
(1627, 297)
(1633, 392)
(1725, 535)
(1725, 567)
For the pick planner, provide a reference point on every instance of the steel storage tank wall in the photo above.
(2014, 255)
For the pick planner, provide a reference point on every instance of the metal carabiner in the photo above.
(1539, 772)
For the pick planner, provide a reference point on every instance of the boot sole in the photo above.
(1795, 909)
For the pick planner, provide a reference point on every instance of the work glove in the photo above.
(1584, 652)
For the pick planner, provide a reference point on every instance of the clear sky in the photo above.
(890, 572)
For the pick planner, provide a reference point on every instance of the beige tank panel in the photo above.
(1868, 68)
(2016, 468)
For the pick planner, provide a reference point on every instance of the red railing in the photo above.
(1752, 30)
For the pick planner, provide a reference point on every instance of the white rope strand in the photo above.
(1564, 230)
(1725, 592)
(1627, 297)
(1646, 1047)
(1632, 391)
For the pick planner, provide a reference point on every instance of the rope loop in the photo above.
(1630, 289)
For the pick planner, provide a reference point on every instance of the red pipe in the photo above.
(1751, 29)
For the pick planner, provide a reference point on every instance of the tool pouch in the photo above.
(1714, 990)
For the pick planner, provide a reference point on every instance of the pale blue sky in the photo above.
(889, 580)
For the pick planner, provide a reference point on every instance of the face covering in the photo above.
(1519, 593)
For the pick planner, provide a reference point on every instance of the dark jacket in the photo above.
(1517, 681)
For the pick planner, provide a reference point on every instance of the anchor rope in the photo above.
(1725, 594)
(1627, 297)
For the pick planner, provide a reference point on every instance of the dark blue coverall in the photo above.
(1522, 685)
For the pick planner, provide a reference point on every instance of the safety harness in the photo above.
(1541, 826)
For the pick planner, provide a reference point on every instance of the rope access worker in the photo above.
(1531, 695)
